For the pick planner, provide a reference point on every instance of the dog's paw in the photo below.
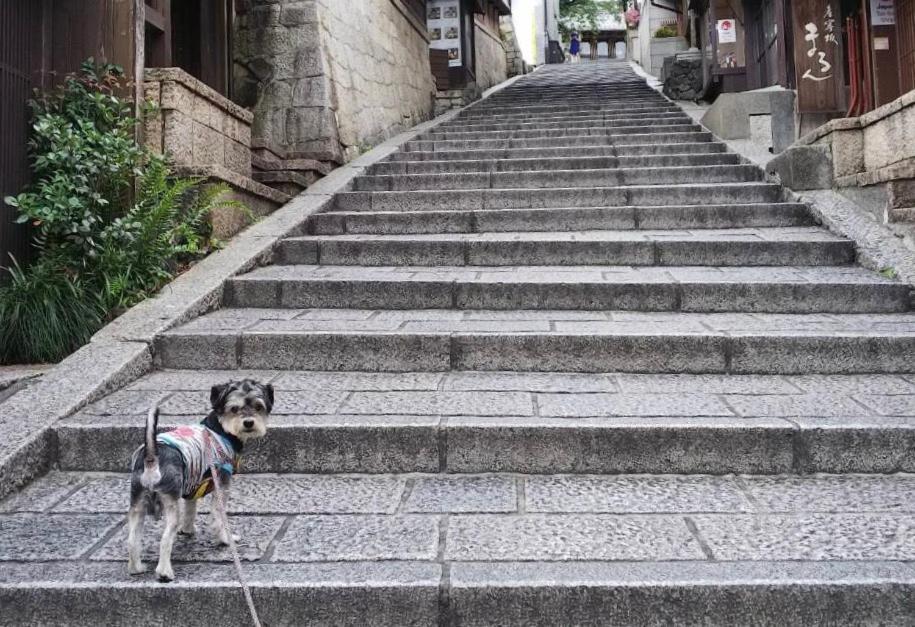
(165, 574)
(136, 569)
(188, 531)
(223, 539)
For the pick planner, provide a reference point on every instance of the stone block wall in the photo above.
(195, 125)
(514, 59)
(205, 134)
(327, 79)
(875, 149)
(492, 60)
(682, 78)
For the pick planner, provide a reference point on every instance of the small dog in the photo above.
(175, 466)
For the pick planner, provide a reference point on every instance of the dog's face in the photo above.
(242, 407)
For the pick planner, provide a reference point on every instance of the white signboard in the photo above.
(883, 13)
(727, 32)
(443, 19)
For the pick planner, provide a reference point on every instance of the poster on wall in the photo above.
(883, 13)
(443, 19)
(727, 32)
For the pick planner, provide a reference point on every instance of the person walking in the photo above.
(575, 49)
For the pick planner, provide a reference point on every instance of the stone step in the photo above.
(468, 200)
(697, 289)
(504, 421)
(568, 163)
(587, 127)
(483, 549)
(556, 341)
(620, 150)
(633, 112)
(561, 219)
(562, 178)
(800, 246)
(686, 133)
(609, 106)
(507, 124)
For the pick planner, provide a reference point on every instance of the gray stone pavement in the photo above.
(511, 392)
(491, 518)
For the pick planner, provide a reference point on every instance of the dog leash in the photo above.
(221, 504)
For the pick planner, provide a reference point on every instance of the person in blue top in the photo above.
(575, 49)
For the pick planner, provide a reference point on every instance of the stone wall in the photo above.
(492, 62)
(327, 79)
(682, 78)
(513, 56)
(205, 134)
(195, 125)
(875, 149)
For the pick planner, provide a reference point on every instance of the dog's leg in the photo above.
(189, 518)
(135, 516)
(170, 531)
(221, 511)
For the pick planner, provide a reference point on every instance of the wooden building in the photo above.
(842, 56)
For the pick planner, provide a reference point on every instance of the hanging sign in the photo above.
(443, 19)
(818, 56)
(883, 13)
(727, 32)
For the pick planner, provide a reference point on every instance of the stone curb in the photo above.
(122, 350)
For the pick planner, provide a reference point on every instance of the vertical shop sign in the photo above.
(817, 56)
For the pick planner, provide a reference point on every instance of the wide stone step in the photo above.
(620, 150)
(686, 133)
(561, 178)
(698, 289)
(636, 111)
(705, 247)
(556, 341)
(535, 422)
(679, 123)
(434, 550)
(508, 124)
(561, 219)
(516, 109)
(619, 196)
(535, 164)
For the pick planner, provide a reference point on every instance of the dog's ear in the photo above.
(218, 395)
(268, 397)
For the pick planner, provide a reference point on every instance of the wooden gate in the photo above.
(21, 37)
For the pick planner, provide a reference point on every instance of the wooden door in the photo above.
(21, 62)
(905, 29)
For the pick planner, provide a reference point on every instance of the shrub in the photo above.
(46, 314)
(112, 223)
(666, 31)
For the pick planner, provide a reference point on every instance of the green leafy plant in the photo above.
(112, 224)
(45, 313)
(665, 31)
(889, 272)
(585, 15)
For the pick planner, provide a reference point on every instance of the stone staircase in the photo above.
(564, 360)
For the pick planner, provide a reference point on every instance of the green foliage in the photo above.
(584, 15)
(84, 158)
(46, 314)
(112, 224)
(889, 272)
(666, 31)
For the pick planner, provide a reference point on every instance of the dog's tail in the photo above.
(151, 475)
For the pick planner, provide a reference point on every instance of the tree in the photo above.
(585, 15)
